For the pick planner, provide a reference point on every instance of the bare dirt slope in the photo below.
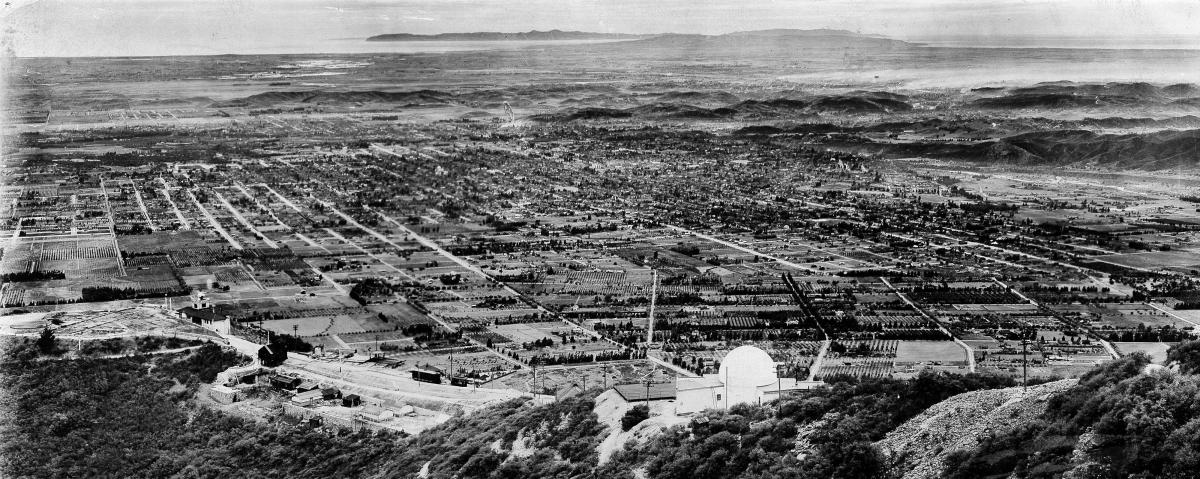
(610, 407)
(918, 447)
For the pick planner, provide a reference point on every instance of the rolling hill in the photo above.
(533, 35)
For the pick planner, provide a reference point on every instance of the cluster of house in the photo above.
(306, 393)
(309, 393)
(307, 396)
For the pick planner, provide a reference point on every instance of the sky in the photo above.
(189, 27)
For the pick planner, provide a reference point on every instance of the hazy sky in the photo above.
(162, 27)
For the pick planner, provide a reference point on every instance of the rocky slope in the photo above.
(918, 448)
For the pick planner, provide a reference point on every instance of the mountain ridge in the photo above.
(532, 35)
(776, 34)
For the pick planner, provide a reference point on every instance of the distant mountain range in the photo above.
(782, 40)
(815, 37)
(533, 35)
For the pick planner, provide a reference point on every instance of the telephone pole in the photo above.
(778, 392)
(1025, 365)
(1025, 361)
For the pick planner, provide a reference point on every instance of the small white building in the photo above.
(693, 395)
(307, 398)
(375, 413)
(747, 376)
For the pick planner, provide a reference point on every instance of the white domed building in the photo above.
(742, 372)
(747, 375)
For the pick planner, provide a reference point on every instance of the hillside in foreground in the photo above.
(1127, 418)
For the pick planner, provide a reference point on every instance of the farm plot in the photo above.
(161, 242)
(459, 311)
(564, 340)
(78, 259)
(1125, 316)
(373, 336)
(489, 337)
(273, 279)
(892, 319)
(942, 352)
(336, 321)
(529, 332)
(43, 292)
(306, 327)
(400, 314)
(795, 356)
(1157, 260)
(966, 296)
(857, 367)
(382, 340)
(1156, 351)
(231, 276)
(154, 279)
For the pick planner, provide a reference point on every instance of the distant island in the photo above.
(533, 35)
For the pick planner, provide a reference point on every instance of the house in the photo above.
(307, 398)
(307, 386)
(203, 317)
(243, 375)
(272, 355)
(426, 375)
(284, 382)
(375, 413)
(351, 400)
(331, 393)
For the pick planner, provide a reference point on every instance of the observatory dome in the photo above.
(745, 369)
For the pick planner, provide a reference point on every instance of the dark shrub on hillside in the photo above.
(635, 416)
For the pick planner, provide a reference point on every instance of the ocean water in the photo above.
(942, 67)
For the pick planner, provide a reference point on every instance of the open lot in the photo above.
(930, 352)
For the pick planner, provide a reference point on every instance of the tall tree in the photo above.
(45, 342)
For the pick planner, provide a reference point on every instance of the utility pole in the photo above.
(648, 392)
(653, 300)
(1024, 362)
(648, 378)
(778, 393)
(726, 381)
